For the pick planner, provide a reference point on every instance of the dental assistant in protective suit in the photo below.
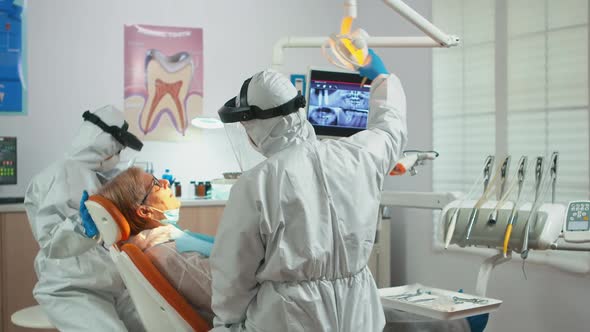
(292, 247)
(79, 287)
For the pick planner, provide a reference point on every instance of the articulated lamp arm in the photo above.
(435, 37)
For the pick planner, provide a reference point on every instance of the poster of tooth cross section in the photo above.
(163, 81)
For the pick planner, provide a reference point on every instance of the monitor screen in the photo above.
(338, 105)
(7, 160)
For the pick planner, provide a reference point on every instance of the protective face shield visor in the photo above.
(245, 155)
(237, 110)
(120, 134)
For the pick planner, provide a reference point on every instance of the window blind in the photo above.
(463, 93)
(546, 59)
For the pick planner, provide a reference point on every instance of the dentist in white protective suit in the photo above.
(79, 287)
(292, 248)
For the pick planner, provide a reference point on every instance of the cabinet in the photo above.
(18, 249)
(201, 219)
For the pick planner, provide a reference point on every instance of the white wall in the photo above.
(76, 63)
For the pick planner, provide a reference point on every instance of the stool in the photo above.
(31, 317)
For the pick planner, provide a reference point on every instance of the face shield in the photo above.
(246, 156)
(237, 111)
(116, 164)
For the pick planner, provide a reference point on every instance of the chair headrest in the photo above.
(111, 223)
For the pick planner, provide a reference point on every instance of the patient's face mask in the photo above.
(170, 216)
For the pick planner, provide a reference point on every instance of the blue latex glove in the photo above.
(374, 68)
(89, 225)
(203, 237)
(477, 323)
(195, 242)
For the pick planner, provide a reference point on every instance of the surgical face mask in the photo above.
(170, 216)
(109, 164)
(258, 131)
(261, 131)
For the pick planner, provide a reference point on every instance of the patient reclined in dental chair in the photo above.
(188, 272)
(160, 306)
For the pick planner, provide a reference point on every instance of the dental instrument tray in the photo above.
(436, 303)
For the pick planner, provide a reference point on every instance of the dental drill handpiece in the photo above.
(475, 212)
(540, 190)
(538, 176)
(487, 172)
(554, 160)
(500, 193)
(455, 215)
(525, 236)
(514, 213)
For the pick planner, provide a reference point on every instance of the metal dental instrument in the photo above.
(487, 171)
(540, 191)
(453, 222)
(525, 240)
(505, 169)
(423, 300)
(407, 296)
(514, 213)
(460, 300)
(475, 212)
(538, 176)
(554, 159)
(500, 193)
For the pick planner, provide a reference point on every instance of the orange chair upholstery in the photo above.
(112, 233)
(149, 289)
(161, 284)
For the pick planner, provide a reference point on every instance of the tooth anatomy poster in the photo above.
(163, 81)
(11, 58)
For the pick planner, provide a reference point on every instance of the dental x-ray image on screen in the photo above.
(337, 103)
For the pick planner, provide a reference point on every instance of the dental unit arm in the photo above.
(349, 49)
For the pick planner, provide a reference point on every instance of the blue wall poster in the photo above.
(11, 58)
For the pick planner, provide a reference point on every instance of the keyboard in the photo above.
(11, 200)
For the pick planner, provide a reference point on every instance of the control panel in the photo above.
(7, 160)
(576, 227)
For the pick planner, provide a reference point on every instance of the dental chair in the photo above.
(160, 306)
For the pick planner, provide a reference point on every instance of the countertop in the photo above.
(186, 202)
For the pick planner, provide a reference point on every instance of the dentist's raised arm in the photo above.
(386, 134)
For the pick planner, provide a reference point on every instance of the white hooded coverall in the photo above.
(292, 248)
(83, 292)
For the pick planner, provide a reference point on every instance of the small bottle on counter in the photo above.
(201, 191)
(194, 184)
(177, 189)
(168, 176)
(208, 188)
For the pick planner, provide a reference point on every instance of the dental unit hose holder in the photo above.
(412, 159)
